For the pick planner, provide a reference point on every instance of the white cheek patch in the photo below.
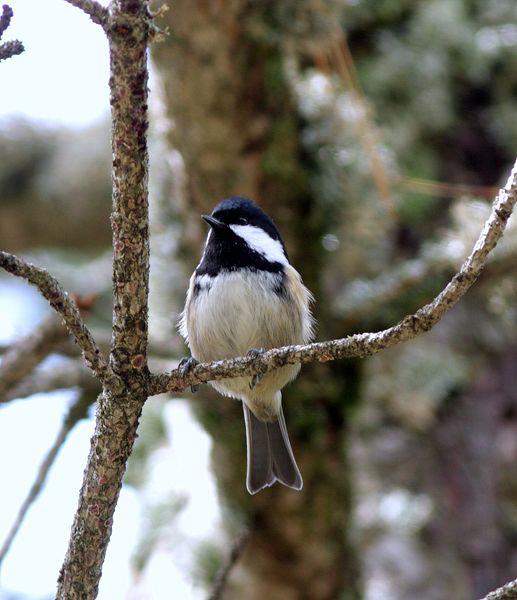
(258, 240)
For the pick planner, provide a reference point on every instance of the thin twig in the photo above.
(364, 297)
(25, 354)
(447, 190)
(368, 131)
(361, 344)
(76, 413)
(65, 375)
(9, 49)
(13, 47)
(221, 578)
(97, 13)
(5, 19)
(507, 592)
(66, 307)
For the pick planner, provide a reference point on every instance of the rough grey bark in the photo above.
(118, 411)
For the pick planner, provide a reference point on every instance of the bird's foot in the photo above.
(256, 379)
(185, 366)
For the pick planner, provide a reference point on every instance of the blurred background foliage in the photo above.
(376, 133)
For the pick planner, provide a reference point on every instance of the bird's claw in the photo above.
(185, 366)
(257, 378)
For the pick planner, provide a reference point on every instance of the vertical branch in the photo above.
(128, 27)
(128, 37)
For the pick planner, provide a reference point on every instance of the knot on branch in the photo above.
(503, 213)
(418, 322)
(130, 22)
(138, 361)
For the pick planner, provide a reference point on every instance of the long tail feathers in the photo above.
(270, 457)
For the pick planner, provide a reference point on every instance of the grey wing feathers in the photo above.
(270, 457)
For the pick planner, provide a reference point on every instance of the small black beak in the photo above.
(214, 223)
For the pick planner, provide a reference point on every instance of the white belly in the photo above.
(234, 313)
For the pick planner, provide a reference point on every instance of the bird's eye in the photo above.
(242, 221)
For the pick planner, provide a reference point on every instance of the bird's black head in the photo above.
(241, 211)
(241, 236)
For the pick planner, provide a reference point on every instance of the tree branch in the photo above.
(63, 376)
(9, 49)
(221, 578)
(118, 412)
(13, 47)
(507, 592)
(60, 301)
(97, 13)
(5, 19)
(24, 355)
(77, 412)
(361, 344)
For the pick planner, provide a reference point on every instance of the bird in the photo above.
(244, 297)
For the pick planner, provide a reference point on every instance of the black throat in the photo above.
(226, 251)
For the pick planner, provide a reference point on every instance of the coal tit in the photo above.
(245, 296)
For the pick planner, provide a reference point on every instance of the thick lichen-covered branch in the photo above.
(361, 344)
(97, 13)
(61, 302)
(128, 29)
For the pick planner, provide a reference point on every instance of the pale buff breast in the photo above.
(237, 312)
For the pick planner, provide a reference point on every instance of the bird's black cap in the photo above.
(227, 251)
(237, 210)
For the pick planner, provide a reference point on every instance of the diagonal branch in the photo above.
(98, 14)
(77, 411)
(506, 592)
(63, 376)
(221, 578)
(361, 344)
(66, 307)
(24, 355)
